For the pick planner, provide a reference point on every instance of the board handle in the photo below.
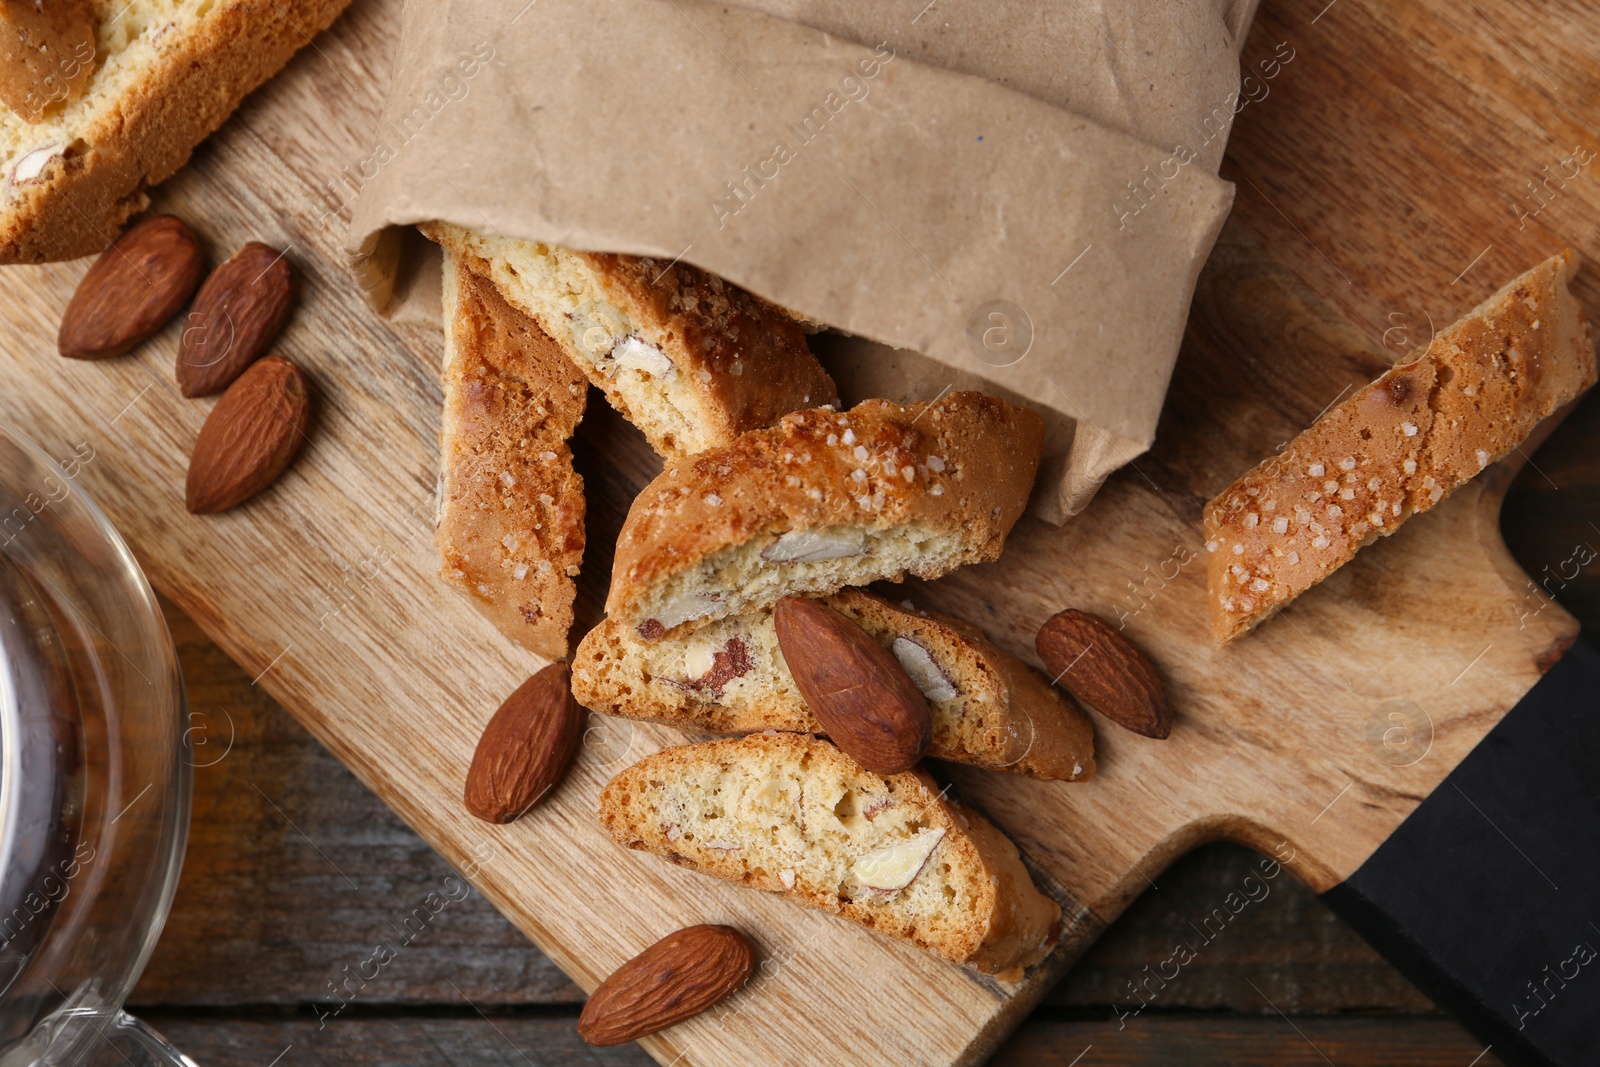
(1488, 895)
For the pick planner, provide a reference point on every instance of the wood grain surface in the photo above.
(1379, 181)
(519, 1042)
(265, 918)
(295, 868)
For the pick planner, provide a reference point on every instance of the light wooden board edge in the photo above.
(263, 177)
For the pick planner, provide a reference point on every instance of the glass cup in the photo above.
(95, 772)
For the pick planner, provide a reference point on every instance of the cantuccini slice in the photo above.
(102, 99)
(791, 814)
(989, 708)
(511, 508)
(690, 359)
(1397, 447)
(823, 500)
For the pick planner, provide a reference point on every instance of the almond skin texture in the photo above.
(250, 437)
(1104, 670)
(861, 695)
(237, 314)
(131, 291)
(679, 976)
(526, 748)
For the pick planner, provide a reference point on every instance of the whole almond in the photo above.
(132, 289)
(679, 976)
(861, 695)
(237, 314)
(526, 748)
(250, 437)
(1104, 670)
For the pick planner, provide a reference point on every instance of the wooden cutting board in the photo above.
(1382, 185)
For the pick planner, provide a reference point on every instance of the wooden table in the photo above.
(295, 872)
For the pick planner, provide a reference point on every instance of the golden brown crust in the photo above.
(750, 356)
(1010, 926)
(46, 54)
(731, 361)
(1025, 923)
(1000, 714)
(961, 466)
(511, 507)
(1059, 744)
(80, 201)
(1397, 447)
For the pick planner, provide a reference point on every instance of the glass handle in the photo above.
(130, 1043)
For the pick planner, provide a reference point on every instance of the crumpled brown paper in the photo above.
(1010, 194)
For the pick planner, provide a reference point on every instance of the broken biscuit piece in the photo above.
(791, 814)
(1397, 447)
(511, 508)
(823, 500)
(989, 708)
(690, 359)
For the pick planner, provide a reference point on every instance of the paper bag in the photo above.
(1011, 195)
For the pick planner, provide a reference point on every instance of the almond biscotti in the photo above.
(511, 507)
(1397, 447)
(823, 500)
(792, 814)
(162, 74)
(989, 709)
(688, 358)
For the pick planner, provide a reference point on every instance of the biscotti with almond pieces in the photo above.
(989, 708)
(823, 500)
(1397, 447)
(164, 75)
(511, 509)
(791, 814)
(687, 357)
